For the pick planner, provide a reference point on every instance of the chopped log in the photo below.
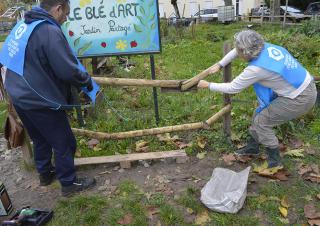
(130, 157)
(193, 81)
(153, 131)
(137, 82)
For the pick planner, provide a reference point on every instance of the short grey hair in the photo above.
(249, 43)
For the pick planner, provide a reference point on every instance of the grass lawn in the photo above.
(185, 54)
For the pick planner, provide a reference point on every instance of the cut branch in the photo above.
(153, 131)
(193, 81)
(137, 82)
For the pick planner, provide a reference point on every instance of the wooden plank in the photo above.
(129, 157)
(27, 150)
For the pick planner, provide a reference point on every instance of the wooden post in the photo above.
(227, 76)
(95, 70)
(27, 150)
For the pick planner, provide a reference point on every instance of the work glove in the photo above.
(90, 87)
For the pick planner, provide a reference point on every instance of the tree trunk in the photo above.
(176, 9)
(227, 2)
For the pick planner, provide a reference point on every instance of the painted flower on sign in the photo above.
(121, 44)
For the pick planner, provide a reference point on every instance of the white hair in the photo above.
(249, 43)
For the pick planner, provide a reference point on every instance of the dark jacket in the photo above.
(50, 68)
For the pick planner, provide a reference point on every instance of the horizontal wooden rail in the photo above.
(153, 131)
(138, 82)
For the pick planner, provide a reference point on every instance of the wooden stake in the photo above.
(219, 114)
(227, 76)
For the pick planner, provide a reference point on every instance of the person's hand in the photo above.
(203, 84)
(90, 87)
(214, 68)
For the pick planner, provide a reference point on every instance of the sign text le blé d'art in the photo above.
(113, 27)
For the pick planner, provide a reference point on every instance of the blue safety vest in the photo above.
(13, 52)
(277, 59)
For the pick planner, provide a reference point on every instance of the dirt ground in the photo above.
(157, 176)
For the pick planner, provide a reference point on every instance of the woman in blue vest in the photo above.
(41, 68)
(284, 88)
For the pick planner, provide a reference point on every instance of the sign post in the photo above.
(115, 27)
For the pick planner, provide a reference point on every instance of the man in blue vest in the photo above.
(284, 88)
(41, 68)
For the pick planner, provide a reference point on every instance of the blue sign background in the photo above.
(113, 27)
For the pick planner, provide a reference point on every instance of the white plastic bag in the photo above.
(226, 190)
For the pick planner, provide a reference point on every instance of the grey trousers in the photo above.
(281, 110)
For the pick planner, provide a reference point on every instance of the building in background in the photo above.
(188, 8)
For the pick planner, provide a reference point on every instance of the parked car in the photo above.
(313, 9)
(173, 20)
(293, 14)
(207, 15)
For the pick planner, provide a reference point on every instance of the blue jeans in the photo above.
(51, 133)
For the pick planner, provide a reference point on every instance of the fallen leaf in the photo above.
(201, 155)
(96, 148)
(315, 222)
(229, 158)
(143, 149)
(201, 141)
(295, 142)
(158, 223)
(235, 137)
(166, 137)
(318, 196)
(283, 211)
(243, 159)
(308, 198)
(313, 178)
(295, 153)
(190, 211)
(78, 153)
(259, 168)
(182, 145)
(270, 171)
(283, 220)
(284, 202)
(127, 219)
(310, 212)
(281, 175)
(92, 143)
(202, 218)
(140, 144)
(303, 169)
(151, 210)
